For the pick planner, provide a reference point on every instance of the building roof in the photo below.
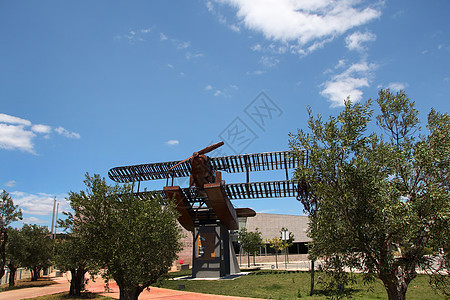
(270, 225)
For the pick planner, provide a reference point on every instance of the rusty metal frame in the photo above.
(265, 161)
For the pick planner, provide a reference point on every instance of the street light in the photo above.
(285, 237)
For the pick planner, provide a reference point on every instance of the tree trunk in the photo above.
(12, 275)
(35, 273)
(4, 240)
(312, 278)
(396, 283)
(395, 291)
(129, 293)
(276, 258)
(77, 282)
(248, 259)
(254, 261)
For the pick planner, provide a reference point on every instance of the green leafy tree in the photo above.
(289, 242)
(8, 214)
(37, 248)
(377, 202)
(14, 253)
(73, 255)
(277, 244)
(251, 241)
(134, 239)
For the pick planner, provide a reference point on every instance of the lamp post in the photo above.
(285, 237)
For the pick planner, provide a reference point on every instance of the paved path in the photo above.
(99, 287)
(158, 293)
(61, 286)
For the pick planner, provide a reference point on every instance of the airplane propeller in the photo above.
(201, 152)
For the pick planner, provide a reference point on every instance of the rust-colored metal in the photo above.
(207, 199)
(252, 162)
(244, 212)
(183, 207)
(201, 169)
(221, 205)
(205, 207)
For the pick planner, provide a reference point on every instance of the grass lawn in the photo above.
(292, 285)
(26, 283)
(63, 296)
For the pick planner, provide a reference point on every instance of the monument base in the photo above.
(213, 255)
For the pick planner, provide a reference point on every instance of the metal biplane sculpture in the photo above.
(205, 207)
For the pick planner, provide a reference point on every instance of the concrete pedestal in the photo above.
(213, 254)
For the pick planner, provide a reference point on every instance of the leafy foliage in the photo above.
(8, 214)
(37, 249)
(15, 252)
(73, 254)
(378, 202)
(277, 244)
(134, 239)
(250, 241)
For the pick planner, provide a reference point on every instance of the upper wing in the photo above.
(264, 161)
(146, 172)
(232, 164)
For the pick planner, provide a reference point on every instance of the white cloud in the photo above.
(40, 128)
(256, 72)
(209, 6)
(398, 14)
(224, 92)
(267, 211)
(10, 183)
(64, 132)
(33, 220)
(173, 142)
(235, 28)
(256, 47)
(134, 35)
(303, 22)
(396, 86)
(221, 18)
(341, 63)
(355, 40)
(14, 137)
(39, 204)
(18, 134)
(184, 45)
(163, 37)
(13, 120)
(269, 61)
(348, 83)
(190, 55)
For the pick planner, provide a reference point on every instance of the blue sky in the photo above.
(91, 85)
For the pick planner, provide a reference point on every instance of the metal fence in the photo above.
(21, 273)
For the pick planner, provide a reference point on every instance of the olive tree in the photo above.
(277, 244)
(8, 214)
(134, 239)
(251, 241)
(73, 255)
(15, 253)
(37, 247)
(378, 200)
